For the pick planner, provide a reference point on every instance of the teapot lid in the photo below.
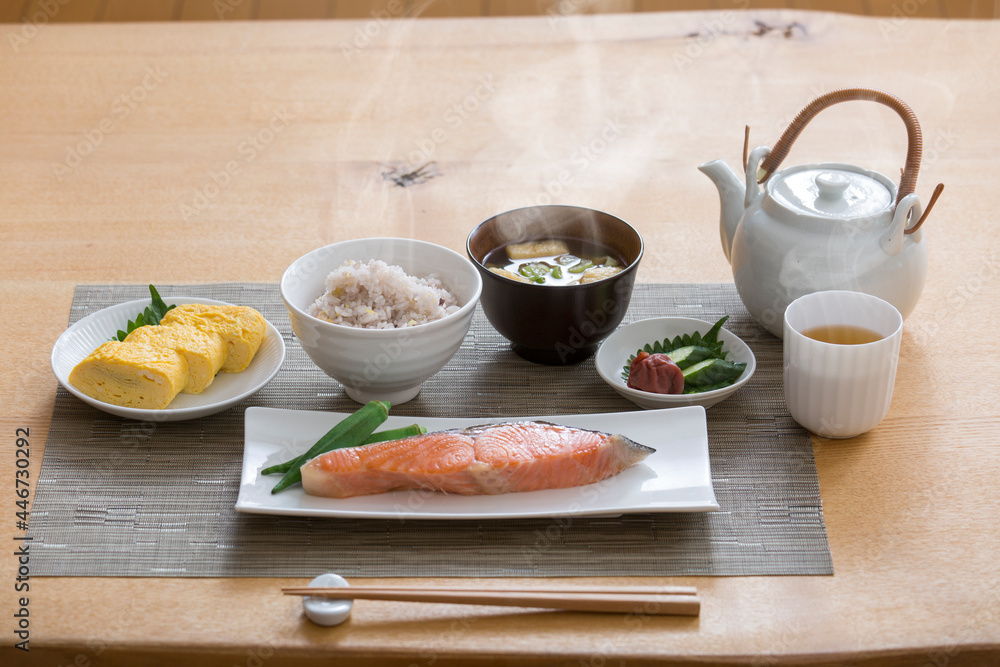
(835, 191)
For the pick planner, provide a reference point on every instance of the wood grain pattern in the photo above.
(294, 9)
(147, 10)
(218, 10)
(680, 5)
(143, 119)
(207, 10)
(524, 7)
(908, 8)
(68, 11)
(439, 8)
(372, 9)
(861, 7)
(13, 10)
(971, 9)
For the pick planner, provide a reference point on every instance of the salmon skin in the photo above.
(480, 460)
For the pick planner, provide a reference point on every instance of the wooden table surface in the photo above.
(198, 152)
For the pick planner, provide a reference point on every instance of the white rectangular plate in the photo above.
(676, 478)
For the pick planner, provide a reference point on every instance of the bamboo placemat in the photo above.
(123, 498)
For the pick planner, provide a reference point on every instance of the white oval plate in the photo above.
(226, 390)
(623, 343)
(677, 477)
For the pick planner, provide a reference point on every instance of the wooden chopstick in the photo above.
(581, 599)
(575, 590)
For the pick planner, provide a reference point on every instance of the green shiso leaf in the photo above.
(152, 314)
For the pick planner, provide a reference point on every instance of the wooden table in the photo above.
(174, 153)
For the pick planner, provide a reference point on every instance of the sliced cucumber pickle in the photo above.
(712, 371)
(690, 355)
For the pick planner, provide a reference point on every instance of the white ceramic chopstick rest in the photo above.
(324, 611)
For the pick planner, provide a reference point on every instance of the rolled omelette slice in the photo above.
(241, 327)
(205, 352)
(132, 375)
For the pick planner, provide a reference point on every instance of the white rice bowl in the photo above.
(376, 295)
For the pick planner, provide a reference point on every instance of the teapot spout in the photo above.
(732, 192)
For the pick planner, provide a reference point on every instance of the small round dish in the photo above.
(623, 343)
(226, 390)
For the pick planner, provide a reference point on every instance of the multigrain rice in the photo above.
(375, 295)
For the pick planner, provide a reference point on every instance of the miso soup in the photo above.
(555, 261)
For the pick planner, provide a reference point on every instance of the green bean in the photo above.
(533, 273)
(350, 432)
(381, 436)
(581, 266)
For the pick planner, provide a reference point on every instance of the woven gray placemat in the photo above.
(123, 498)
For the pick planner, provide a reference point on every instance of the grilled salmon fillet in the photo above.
(482, 460)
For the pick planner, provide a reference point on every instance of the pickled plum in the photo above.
(655, 373)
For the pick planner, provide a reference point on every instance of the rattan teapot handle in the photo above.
(914, 148)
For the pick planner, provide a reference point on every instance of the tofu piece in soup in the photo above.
(510, 274)
(599, 273)
(532, 249)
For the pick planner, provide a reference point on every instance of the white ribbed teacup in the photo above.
(840, 391)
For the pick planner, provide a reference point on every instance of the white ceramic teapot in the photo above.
(822, 226)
